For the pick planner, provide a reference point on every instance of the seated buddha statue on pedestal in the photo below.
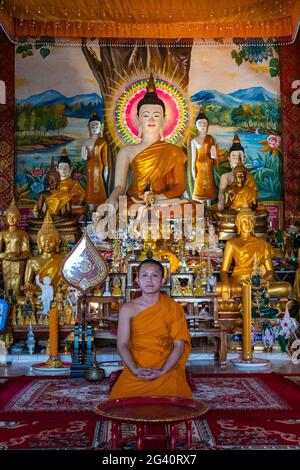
(48, 262)
(246, 250)
(152, 161)
(238, 189)
(58, 203)
(69, 185)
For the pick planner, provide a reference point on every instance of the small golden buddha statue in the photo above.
(116, 287)
(70, 186)
(198, 288)
(49, 261)
(176, 288)
(244, 250)
(238, 194)
(237, 188)
(14, 250)
(58, 203)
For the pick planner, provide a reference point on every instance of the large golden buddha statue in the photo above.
(244, 251)
(152, 162)
(49, 261)
(14, 249)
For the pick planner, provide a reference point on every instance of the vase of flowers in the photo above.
(284, 328)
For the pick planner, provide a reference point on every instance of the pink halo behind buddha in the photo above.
(176, 110)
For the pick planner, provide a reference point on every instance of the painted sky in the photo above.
(213, 68)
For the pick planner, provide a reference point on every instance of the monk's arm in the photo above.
(123, 337)
(174, 356)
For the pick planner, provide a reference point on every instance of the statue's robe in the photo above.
(161, 165)
(74, 189)
(204, 186)
(96, 162)
(153, 331)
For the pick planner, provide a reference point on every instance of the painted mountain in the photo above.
(253, 95)
(80, 106)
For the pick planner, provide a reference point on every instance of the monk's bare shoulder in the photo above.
(128, 310)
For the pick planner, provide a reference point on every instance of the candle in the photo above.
(53, 332)
(247, 316)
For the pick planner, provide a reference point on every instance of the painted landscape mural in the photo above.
(237, 88)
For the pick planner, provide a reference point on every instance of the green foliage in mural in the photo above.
(41, 45)
(257, 53)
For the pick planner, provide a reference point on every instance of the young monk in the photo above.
(153, 341)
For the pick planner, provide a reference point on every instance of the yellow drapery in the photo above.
(155, 19)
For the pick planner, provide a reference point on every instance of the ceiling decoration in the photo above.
(165, 19)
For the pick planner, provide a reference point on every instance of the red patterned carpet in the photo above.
(250, 411)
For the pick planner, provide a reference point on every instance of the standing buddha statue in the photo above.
(14, 250)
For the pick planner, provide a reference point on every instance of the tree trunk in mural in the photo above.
(114, 61)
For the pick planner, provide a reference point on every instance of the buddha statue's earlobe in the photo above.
(140, 132)
(162, 133)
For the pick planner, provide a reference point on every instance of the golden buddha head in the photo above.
(48, 237)
(245, 221)
(236, 152)
(151, 111)
(202, 122)
(94, 124)
(52, 176)
(240, 173)
(64, 165)
(13, 214)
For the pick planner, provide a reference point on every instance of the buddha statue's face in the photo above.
(202, 126)
(240, 177)
(150, 119)
(95, 127)
(12, 218)
(245, 225)
(47, 243)
(53, 180)
(234, 158)
(64, 170)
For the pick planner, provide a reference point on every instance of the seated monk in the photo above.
(244, 251)
(49, 261)
(68, 184)
(153, 341)
(152, 161)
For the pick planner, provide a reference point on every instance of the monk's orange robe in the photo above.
(162, 165)
(151, 342)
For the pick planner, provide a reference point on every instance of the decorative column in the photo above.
(53, 360)
(247, 336)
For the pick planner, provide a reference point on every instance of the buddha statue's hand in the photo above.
(213, 152)
(226, 291)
